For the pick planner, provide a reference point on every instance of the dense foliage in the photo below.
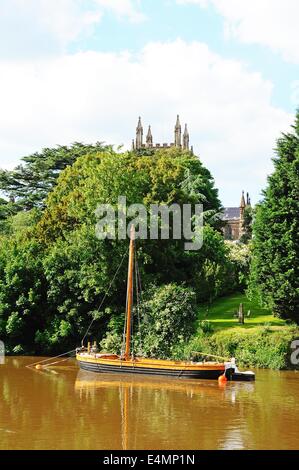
(168, 319)
(29, 184)
(263, 346)
(247, 225)
(275, 266)
(4, 213)
(164, 318)
(240, 254)
(54, 272)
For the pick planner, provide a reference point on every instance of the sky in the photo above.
(85, 70)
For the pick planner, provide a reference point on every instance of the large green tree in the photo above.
(29, 184)
(275, 264)
(55, 273)
(23, 293)
(5, 212)
(247, 225)
(167, 177)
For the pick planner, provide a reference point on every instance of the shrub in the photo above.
(168, 318)
(262, 347)
(205, 326)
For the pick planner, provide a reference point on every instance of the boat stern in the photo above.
(232, 373)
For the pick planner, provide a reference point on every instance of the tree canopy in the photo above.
(275, 265)
(28, 185)
(54, 271)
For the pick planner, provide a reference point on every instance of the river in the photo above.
(64, 408)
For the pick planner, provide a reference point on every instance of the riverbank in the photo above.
(263, 347)
(263, 341)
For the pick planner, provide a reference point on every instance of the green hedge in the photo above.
(263, 347)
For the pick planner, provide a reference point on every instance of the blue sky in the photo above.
(166, 21)
(86, 69)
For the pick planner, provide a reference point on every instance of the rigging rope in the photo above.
(88, 329)
(210, 355)
(104, 298)
(56, 362)
(51, 358)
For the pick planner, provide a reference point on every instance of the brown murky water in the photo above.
(65, 408)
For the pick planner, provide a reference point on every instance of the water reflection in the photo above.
(63, 408)
(87, 383)
(158, 411)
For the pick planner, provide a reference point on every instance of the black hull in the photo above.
(242, 377)
(197, 374)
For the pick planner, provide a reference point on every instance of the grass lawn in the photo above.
(221, 313)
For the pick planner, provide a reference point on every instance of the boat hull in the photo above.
(198, 374)
(176, 371)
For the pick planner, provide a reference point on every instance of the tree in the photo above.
(165, 318)
(23, 304)
(29, 184)
(4, 213)
(275, 264)
(166, 177)
(247, 225)
(7, 212)
(159, 179)
(239, 256)
(168, 319)
(54, 271)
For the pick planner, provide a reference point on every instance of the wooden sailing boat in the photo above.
(90, 360)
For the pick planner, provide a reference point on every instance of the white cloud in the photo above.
(271, 23)
(123, 9)
(98, 96)
(65, 19)
(35, 27)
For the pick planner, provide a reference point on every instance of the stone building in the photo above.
(181, 140)
(234, 219)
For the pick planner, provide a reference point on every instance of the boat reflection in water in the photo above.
(151, 409)
(88, 382)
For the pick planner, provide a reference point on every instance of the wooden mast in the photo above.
(130, 294)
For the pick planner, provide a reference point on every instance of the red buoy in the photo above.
(222, 379)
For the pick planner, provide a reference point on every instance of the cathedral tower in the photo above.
(242, 213)
(149, 138)
(186, 139)
(178, 133)
(139, 135)
(181, 141)
(248, 200)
